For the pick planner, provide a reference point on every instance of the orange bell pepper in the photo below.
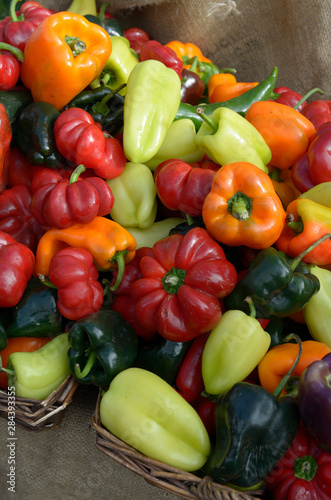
(279, 359)
(227, 91)
(220, 79)
(283, 185)
(243, 208)
(64, 55)
(306, 222)
(286, 131)
(109, 243)
(187, 51)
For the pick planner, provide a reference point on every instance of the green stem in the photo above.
(77, 46)
(252, 309)
(12, 11)
(275, 175)
(119, 259)
(305, 97)
(295, 262)
(189, 220)
(14, 50)
(46, 282)
(101, 106)
(9, 372)
(102, 11)
(277, 392)
(194, 64)
(213, 125)
(76, 173)
(88, 367)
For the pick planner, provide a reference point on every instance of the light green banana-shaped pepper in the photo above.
(135, 196)
(151, 103)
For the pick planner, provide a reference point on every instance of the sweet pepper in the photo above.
(5, 141)
(63, 56)
(151, 103)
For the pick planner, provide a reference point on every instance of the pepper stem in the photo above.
(46, 282)
(252, 309)
(295, 262)
(12, 11)
(118, 258)
(305, 97)
(88, 367)
(101, 106)
(282, 384)
(9, 372)
(76, 173)
(14, 50)
(305, 467)
(213, 125)
(77, 46)
(102, 11)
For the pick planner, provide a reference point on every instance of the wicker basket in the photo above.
(176, 481)
(35, 415)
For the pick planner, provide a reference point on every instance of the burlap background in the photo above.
(253, 37)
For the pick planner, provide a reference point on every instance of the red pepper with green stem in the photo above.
(178, 295)
(10, 68)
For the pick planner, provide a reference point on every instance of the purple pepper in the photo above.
(314, 400)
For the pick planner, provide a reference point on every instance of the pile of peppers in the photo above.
(165, 236)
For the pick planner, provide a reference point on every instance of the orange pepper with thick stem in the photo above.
(187, 51)
(279, 359)
(109, 243)
(64, 54)
(286, 131)
(243, 208)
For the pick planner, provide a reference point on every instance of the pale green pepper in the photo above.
(233, 349)
(134, 192)
(180, 143)
(317, 311)
(150, 235)
(227, 137)
(83, 7)
(151, 103)
(120, 63)
(35, 375)
(144, 411)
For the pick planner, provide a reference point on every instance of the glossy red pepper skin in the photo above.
(155, 50)
(206, 411)
(16, 218)
(64, 203)
(21, 171)
(289, 97)
(178, 295)
(81, 140)
(183, 186)
(318, 112)
(189, 381)
(9, 70)
(319, 158)
(74, 273)
(289, 480)
(192, 87)
(17, 263)
(124, 304)
(17, 32)
(300, 174)
(5, 141)
(137, 37)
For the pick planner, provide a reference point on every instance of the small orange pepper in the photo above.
(283, 185)
(187, 51)
(220, 79)
(286, 131)
(279, 359)
(227, 91)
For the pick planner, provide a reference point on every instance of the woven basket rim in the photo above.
(171, 479)
(32, 414)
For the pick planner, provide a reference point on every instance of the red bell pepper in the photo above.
(289, 97)
(19, 344)
(16, 218)
(206, 411)
(71, 201)
(19, 26)
(300, 174)
(318, 155)
(10, 67)
(124, 304)
(178, 295)
(5, 140)
(155, 50)
(183, 186)
(189, 381)
(318, 112)
(73, 272)
(21, 171)
(304, 471)
(81, 140)
(137, 37)
(16, 267)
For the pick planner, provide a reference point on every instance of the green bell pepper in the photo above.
(35, 136)
(111, 25)
(164, 358)
(279, 286)
(101, 345)
(36, 314)
(135, 196)
(317, 311)
(117, 69)
(104, 105)
(145, 412)
(150, 235)
(14, 102)
(3, 337)
(254, 429)
(35, 375)
(227, 137)
(180, 142)
(151, 103)
(233, 349)
(275, 330)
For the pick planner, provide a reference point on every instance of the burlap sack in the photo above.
(253, 37)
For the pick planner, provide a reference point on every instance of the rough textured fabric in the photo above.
(253, 37)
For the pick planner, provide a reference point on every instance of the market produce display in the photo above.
(165, 237)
